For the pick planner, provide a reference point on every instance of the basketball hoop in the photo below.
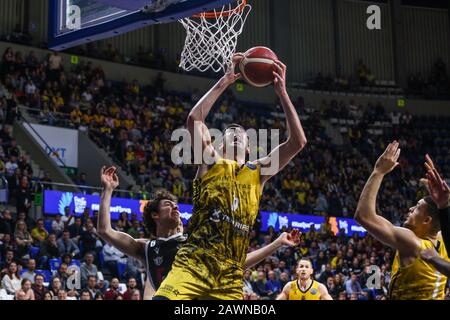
(212, 37)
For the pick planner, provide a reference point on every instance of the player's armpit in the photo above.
(396, 237)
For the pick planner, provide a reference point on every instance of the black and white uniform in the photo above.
(159, 255)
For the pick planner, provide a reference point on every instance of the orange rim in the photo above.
(215, 15)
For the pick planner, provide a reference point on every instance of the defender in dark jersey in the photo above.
(162, 219)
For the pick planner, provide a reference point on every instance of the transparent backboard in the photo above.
(74, 22)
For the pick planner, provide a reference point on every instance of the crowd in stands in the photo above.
(434, 85)
(134, 123)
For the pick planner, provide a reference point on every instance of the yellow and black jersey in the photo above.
(419, 280)
(226, 204)
(312, 293)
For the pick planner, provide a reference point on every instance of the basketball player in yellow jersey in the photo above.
(413, 278)
(304, 288)
(226, 200)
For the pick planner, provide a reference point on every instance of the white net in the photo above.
(212, 38)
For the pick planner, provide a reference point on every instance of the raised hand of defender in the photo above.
(280, 77)
(388, 160)
(438, 188)
(290, 239)
(231, 76)
(109, 178)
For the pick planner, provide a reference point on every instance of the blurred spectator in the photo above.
(54, 286)
(76, 230)
(30, 274)
(91, 285)
(58, 225)
(113, 291)
(352, 286)
(273, 286)
(6, 223)
(39, 234)
(38, 287)
(67, 246)
(85, 295)
(88, 268)
(11, 281)
(49, 250)
(23, 240)
(131, 286)
(259, 286)
(25, 292)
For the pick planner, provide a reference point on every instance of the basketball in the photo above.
(258, 65)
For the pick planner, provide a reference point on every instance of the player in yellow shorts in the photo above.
(304, 288)
(413, 277)
(226, 195)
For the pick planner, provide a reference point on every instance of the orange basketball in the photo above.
(258, 65)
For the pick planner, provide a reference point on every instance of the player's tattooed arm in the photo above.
(432, 257)
(122, 241)
(440, 192)
(285, 239)
(280, 157)
(400, 238)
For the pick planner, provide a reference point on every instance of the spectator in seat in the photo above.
(48, 296)
(131, 285)
(259, 286)
(63, 275)
(325, 274)
(91, 285)
(67, 245)
(352, 286)
(30, 274)
(273, 286)
(49, 250)
(21, 216)
(135, 294)
(85, 295)
(25, 292)
(39, 233)
(76, 230)
(112, 256)
(134, 269)
(23, 240)
(248, 289)
(87, 268)
(9, 258)
(58, 225)
(54, 286)
(68, 218)
(6, 226)
(62, 294)
(38, 287)
(99, 296)
(90, 240)
(113, 290)
(11, 281)
(284, 279)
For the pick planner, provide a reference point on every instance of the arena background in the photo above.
(355, 89)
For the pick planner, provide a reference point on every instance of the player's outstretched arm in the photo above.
(122, 241)
(366, 215)
(296, 140)
(440, 192)
(285, 239)
(324, 295)
(196, 119)
(284, 295)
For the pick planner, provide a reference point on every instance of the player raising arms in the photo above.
(226, 200)
(162, 219)
(304, 288)
(440, 192)
(412, 277)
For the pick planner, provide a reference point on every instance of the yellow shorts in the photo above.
(200, 276)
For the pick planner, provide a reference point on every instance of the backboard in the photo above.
(75, 22)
